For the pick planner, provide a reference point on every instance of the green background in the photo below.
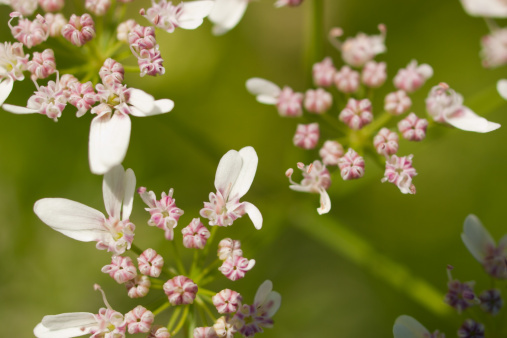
(325, 293)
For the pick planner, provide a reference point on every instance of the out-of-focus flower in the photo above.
(234, 176)
(494, 48)
(316, 179)
(400, 172)
(413, 128)
(386, 142)
(98, 7)
(13, 61)
(226, 14)
(223, 327)
(330, 152)
(357, 113)
(408, 327)
(346, 80)
(29, 33)
(413, 76)
(51, 5)
(307, 136)
(318, 101)
(491, 301)
(25, 7)
(397, 102)
(374, 74)
(471, 329)
(229, 248)
(56, 23)
(205, 332)
(486, 8)
(289, 3)
(323, 73)
(460, 295)
(351, 165)
(288, 102)
(86, 224)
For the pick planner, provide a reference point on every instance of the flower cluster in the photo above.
(364, 129)
(149, 271)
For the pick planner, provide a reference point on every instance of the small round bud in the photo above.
(307, 136)
(397, 102)
(357, 113)
(227, 301)
(150, 263)
(330, 152)
(180, 290)
(351, 165)
(347, 80)
(318, 101)
(413, 128)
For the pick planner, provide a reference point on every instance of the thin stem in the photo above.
(315, 37)
(207, 292)
(136, 249)
(161, 308)
(194, 262)
(204, 306)
(179, 263)
(207, 270)
(174, 317)
(182, 320)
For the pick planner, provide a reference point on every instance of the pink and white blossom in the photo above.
(330, 152)
(158, 331)
(318, 101)
(408, 327)
(180, 290)
(150, 263)
(121, 269)
(29, 33)
(374, 74)
(236, 267)
(226, 14)
(229, 248)
(56, 23)
(42, 64)
(485, 8)
(111, 73)
(323, 73)
(124, 28)
(306, 136)
(195, 235)
(400, 172)
(79, 30)
(351, 165)
(98, 7)
(25, 7)
(138, 287)
(80, 222)
(51, 5)
(494, 48)
(397, 102)
(164, 212)
(346, 80)
(413, 128)
(82, 96)
(139, 320)
(357, 113)
(386, 142)
(413, 76)
(227, 301)
(187, 15)
(288, 102)
(234, 176)
(13, 61)
(224, 328)
(316, 179)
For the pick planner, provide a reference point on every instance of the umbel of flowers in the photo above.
(144, 271)
(342, 100)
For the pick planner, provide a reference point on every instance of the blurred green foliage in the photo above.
(324, 293)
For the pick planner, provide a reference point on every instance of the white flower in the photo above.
(226, 14)
(234, 176)
(408, 327)
(86, 224)
(486, 8)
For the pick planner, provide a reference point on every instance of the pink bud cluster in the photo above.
(195, 235)
(29, 33)
(357, 113)
(144, 46)
(234, 265)
(42, 64)
(79, 30)
(180, 290)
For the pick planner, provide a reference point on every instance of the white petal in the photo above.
(128, 199)
(487, 8)
(5, 89)
(141, 100)
(470, 121)
(254, 214)
(302, 188)
(113, 190)
(109, 141)
(226, 14)
(65, 325)
(266, 91)
(425, 70)
(228, 170)
(159, 107)
(72, 219)
(272, 303)
(325, 202)
(18, 109)
(501, 86)
(408, 327)
(247, 173)
(193, 13)
(262, 292)
(476, 238)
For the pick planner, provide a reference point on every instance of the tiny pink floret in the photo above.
(399, 171)
(323, 73)
(290, 103)
(318, 101)
(121, 269)
(330, 152)
(56, 23)
(386, 142)
(374, 74)
(98, 7)
(51, 5)
(42, 64)
(180, 290)
(150, 263)
(79, 30)
(412, 77)
(351, 165)
(227, 301)
(229, 248)
(413, 128)
(138, 287)
(195, 235)
(235, 268)
(158, 331)
(347, 80)
(29, 33)
(307, 136)
(357, 113)
(139, 320)
(397, 102)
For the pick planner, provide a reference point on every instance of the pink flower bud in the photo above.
(180, 290)
(138, 287)
(494, 48)
(51, 5)
(66, 82)
(29, 33)
(307, 136)
(323, 73)
(82, 96)
(56, 23)
(413, 77)
(357, 114)
(158, 331)
(386, 142)
(318, 101)
(229, 248)
(205, 332)
(42, 64)
(351, 165)
(79, 30)
(98, 7)
(413, 128)
(141, 37)
(347, 80)
(330, 152)
(289, 103)
(235, 268)
(195, 235)
(150, 263)
(139, 320)
(124, 30)
(224, 328)
(111, 72)
(397, 102)
(374, 74)
(150, 62)
(362, 48)
(399, 171)
(48, 100)
(227, 301)
(121, 269)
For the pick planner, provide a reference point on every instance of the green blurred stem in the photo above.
(182, 320)
(344, 242)
(177, 256)
(315, 36)
(207, 292)
(136, 249)
(174, 317)
(161, 308)
(204, 272)
(206, 309)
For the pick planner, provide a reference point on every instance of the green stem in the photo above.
(204, 272)
(161, 308)
(204, 306)
(207, 292)
(315, 37)
(136, 249)
(179, 263)
(182, 320)
(174, 317)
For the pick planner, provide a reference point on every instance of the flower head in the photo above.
(360, 49)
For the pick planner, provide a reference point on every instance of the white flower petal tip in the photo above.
(485, 8)
(476, 238)
(226, 14)
(501, 87)
(194, 13)
(325, 202)
(408, 327)
(141, 100)
(5, 89)
(65, 325)
(467, 120)
(18, 109)
(254, 214)
(265, 91)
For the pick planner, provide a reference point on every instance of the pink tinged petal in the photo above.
(129, 181)
(109, 140)
(5, 89)
(226, 14)
(247, 173)
(325, 202)
(272, 303)
(18, 110)
(254, 214)
(487, 8)
(266, 91)
(159, 107)
(228, 171)
(501, 87)
(476, 238)
(72, 219)
(113, 189)
(193, 13)
(469, 121)
(141, 100)
(408, 327)
(263, 291)
(65, 325)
